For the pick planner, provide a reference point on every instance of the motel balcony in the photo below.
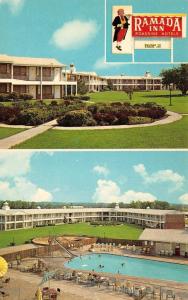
(5, 76)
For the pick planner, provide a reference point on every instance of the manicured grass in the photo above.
(6, 132)
(179, 102)
(173, 135)
(131, 232)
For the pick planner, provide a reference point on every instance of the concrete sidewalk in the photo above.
(21, 137)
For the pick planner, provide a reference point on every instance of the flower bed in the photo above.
(113, 114)
(77, 114)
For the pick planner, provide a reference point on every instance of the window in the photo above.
(3, 88)
(20, 89)
(20, 71)
(3, 68)
(47, 89)
(47, 72)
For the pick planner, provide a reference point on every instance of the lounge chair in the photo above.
(129, 288)
(170, 295)
(149, 292)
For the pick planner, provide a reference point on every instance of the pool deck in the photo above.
(175, 260)
(25, 283)
(140, 280)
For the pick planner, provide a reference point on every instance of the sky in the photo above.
(91, 176)
(71, 31)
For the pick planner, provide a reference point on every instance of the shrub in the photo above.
(104, 118)
(139, 120)
(4, 97)
(122, 118)
(71, 98)
(26, 96)
(7, 114)
(151, 110)
(84, 98)
(53, 103)
(77, 118)
(14, 96)
(93, 108)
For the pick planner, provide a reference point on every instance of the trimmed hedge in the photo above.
(72, 113)
(77, 118)
(4, 97)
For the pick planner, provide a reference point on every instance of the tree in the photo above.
(129, 92)
(177, 76)
(82, 88)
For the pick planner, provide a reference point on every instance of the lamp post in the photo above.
(170, 89)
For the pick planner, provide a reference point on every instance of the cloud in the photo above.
(74, 34)
(161, 176)
(13, 164)
(23, 189)
(100, 64)
(108, 191)
(14, 5)
(101, 170)
(184, 198)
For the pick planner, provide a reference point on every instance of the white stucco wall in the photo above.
(32, 91)
(32, 73)
(57, 94)
(57, 74)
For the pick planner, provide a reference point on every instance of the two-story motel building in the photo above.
(96, 83)
(28, 218)
(47, 78)
(41, 77)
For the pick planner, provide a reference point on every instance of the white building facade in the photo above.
(28, 218)
(41, 77)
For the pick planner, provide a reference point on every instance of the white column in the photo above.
(76, 89)
(89, 83)
(65, 90)
(41, 83)
(5, 222)
(12, 77)
(71, 89)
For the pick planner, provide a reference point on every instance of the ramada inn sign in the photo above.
(158, 26)
(150, 30)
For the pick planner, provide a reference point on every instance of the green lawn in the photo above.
(6, 132)
(173, 135)
(131, 232)
(179, 102)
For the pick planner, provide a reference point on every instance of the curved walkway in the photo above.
(172, 117)
(21, 137)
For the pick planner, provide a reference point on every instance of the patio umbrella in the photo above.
(39, 294)
(3, 267)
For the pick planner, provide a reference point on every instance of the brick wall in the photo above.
(174, 222)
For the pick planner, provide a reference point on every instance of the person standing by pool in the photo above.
(121, 24)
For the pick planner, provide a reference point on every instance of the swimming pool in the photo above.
(130, 266)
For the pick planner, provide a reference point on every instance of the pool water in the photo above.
(130, 266)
